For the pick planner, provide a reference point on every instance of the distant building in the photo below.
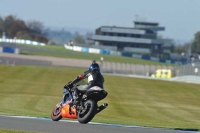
(140, 39)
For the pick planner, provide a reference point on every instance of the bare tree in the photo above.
(35, 26)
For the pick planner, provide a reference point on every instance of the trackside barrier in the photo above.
(21, 41)
(110, 52)
(154, 71)
(9, 50)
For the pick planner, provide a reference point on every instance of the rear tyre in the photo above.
(56, 113)
(86, 115)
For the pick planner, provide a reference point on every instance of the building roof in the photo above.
(121, 30)
(146, 23)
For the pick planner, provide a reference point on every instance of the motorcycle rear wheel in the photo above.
(86, 115)
(56, 113)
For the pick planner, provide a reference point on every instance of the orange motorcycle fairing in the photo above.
(68, 113)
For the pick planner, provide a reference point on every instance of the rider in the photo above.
(94, 77)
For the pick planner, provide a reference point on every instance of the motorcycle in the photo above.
(86, 108)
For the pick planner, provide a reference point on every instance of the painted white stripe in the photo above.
(28, 42)
(94, 50)
(96, 123)
(77, 48)
(21, 41)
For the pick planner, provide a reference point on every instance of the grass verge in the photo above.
(60, 51)
(14, 131)
(34, 91)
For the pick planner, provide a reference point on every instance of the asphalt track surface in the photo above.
(46, 125)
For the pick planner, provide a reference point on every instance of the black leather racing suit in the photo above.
(94, 77)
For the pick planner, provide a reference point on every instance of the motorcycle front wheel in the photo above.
(87, 113)
(56, 113)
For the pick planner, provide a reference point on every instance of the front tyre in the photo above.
(88, 112)
(56, 113)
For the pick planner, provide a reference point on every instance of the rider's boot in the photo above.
(76, 97)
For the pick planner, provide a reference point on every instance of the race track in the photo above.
(66, 126)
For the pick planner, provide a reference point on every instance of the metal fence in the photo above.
(147, 70)
(132, 69)
(189, 69)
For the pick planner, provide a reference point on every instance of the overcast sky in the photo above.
(180, 17)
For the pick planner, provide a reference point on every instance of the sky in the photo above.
(181, 18)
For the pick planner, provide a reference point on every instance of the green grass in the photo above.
(88, 56)
(14, 131)
(34, 91)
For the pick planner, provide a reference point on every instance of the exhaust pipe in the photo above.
(102, 107)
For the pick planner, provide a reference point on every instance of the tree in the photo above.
(196, 43)
(23, 35)
(7, 23)
(36, 27)
(1, 25)
(182, 48)
(79, 39)
(17, 25)
(14, 27)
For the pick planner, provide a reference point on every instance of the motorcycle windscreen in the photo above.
(67, 97)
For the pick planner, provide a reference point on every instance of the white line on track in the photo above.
(96, 123)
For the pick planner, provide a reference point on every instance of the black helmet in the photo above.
(94, 66)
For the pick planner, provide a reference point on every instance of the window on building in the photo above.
(128, 35)
(103, 33)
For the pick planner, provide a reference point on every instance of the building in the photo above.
(140, 39)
